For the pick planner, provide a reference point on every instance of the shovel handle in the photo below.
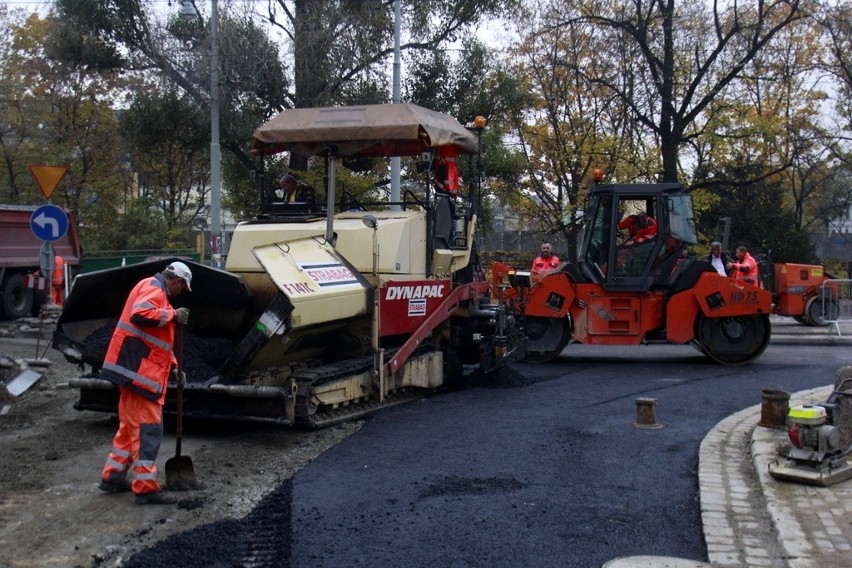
(179, 356)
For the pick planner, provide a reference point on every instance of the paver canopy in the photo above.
(367, 130)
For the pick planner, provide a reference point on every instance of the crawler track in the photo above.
(312, 415)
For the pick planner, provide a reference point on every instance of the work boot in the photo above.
(114, 486)
(154, 498)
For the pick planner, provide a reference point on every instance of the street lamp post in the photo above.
(188, 12)
(215, 152)
(397, 98)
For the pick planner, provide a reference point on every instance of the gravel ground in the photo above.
(52, 514)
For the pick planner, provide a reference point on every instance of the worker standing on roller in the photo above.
(745, 269)
(543, 264)
(139, 361)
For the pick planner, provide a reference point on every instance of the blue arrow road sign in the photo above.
(49, 223)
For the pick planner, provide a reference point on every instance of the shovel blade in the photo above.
(180, 473)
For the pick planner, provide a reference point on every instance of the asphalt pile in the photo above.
(202, 356)
(261, 538)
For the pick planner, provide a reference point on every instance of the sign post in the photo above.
(49, 222)
(46, 259)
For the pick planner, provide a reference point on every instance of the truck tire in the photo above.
(16, 300)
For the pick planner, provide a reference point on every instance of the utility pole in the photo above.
(397, 98)
(215, 151)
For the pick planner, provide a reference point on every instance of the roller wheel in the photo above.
(814, 312)
(546, 338)
(733, 340)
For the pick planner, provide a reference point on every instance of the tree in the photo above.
(564, 125)
(465, 84)
(18, 114)
(62, 115)
(774, 112)
(168, 155)
(757, 221)
(337, 50)
(836, 20)
(683, 56)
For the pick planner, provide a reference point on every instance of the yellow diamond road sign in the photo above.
(48, 177)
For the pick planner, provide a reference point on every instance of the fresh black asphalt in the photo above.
(540, 466)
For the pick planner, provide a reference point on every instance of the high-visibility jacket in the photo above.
(745, 270)
(57, 280)
(637, 233)
(140, 355)
(542, 266)
(446, 170)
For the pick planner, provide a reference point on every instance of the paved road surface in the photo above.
(543, 467)
(540, 466)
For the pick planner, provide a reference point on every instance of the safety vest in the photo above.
(140, 355)
(58, 276)
(636, 233)
(57, 280)
(446, 170)
(746, 271)
(542, 266)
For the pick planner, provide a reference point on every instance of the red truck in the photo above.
(20, 252)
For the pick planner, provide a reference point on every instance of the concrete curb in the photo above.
(752, 519)
(735, 531)
(811, 523)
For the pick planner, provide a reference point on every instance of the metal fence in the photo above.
(836, 295)
(100, 260)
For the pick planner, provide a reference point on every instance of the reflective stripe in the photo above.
(115, 465)
(150, 385)
(145, 476)
(144, 463)
(120, 453)
(133, 330)
(164, 314)
(161, 320)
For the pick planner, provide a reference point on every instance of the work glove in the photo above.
(181, 316)
(179, 376)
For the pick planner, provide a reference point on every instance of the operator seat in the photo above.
(686, 274)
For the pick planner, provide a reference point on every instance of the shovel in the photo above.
(180, 474)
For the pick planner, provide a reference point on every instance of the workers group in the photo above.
(743, 269)
(641, 228)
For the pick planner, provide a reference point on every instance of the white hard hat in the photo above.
(181, 271)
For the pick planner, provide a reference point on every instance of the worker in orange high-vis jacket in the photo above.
(745, 268)
(57, 281)
(544, 264)
(139, 360)
(446, 170)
